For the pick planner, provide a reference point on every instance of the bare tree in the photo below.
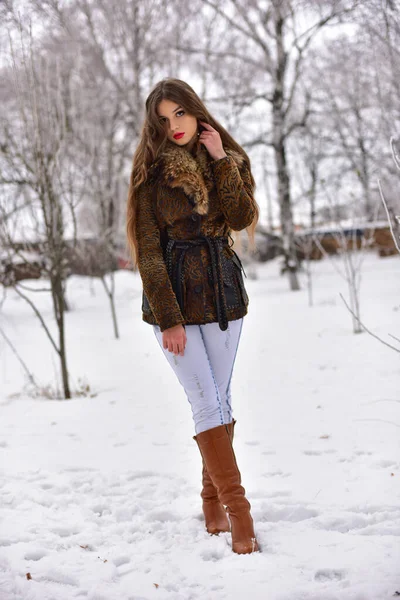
(37, 162)
(261, 50)
(308, 154)
(352, 243)
(341, 78)
(380, 23)
(394, 221)
(124, 46)
(101, 212)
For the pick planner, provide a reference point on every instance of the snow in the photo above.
(100, 495)
(345, 225)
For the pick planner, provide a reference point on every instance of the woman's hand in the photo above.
(212, 141)
(174, 339)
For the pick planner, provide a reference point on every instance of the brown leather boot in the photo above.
(218, 455)
(215, 516)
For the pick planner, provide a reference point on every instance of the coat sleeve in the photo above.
(235, 192)
(152, 268)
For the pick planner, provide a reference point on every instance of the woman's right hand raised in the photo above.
(174, 339)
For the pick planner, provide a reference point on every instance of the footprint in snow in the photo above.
(162, 516)
(101, 509)
(78, 469)
(37, 554)
(385, 463)
(58, 576)
(329, 575)
(46, 486)
(276, 494)
(380, 523)
(65, 531)
(142, 475)
(293, 514)
(121, 560)
(211, 555)
(275, 474)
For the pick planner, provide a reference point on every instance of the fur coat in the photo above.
(188, 195)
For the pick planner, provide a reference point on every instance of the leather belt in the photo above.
(215, 246)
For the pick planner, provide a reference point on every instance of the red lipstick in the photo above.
(177, 136)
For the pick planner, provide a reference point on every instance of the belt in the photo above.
(215, 246)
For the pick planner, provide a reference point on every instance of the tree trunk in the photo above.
(111, 295)
(279, 142)
(291, 263)
(59, 311)
(270, 220)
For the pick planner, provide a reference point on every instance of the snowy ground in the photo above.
(100, 496)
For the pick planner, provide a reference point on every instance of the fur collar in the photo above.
(179, 168)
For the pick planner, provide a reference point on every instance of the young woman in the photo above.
(190, 186)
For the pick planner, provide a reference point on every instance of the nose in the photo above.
(174, 126)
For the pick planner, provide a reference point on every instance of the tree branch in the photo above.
(388, 215)
(396, 157)
(8, 341)
(39, 316)
(248, 33)
(224, 54)
(366, 329)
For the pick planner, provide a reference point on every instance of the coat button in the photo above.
(194, 218)
(198, 288)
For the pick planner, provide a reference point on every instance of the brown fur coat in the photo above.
(187, 196)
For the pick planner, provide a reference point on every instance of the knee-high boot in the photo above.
(216, 519)
(216, 449)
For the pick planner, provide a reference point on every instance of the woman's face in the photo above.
(177, 121)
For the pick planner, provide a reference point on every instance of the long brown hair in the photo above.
(153, 139)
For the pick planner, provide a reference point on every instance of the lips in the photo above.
(177, 136)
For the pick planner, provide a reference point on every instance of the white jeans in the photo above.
(205, 370)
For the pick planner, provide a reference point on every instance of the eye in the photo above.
(180, 112)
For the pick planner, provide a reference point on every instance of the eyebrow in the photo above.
(175, 110)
